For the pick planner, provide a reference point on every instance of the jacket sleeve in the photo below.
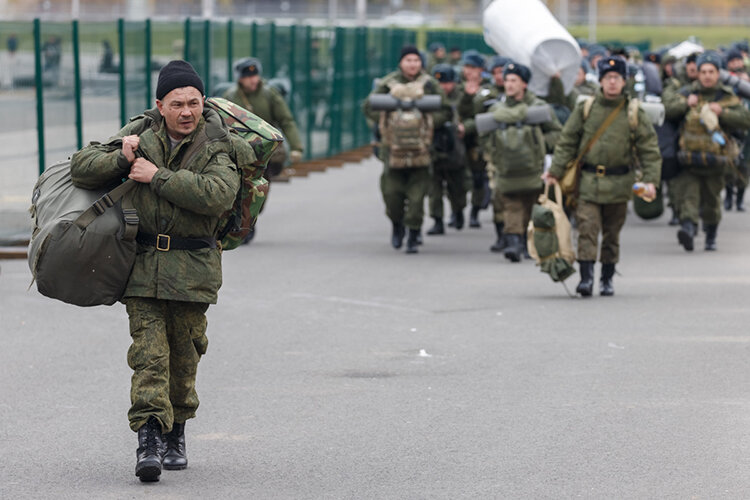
(283, 116)
(735, 117)
(210, 192)
(445, 113)
(551, 130)
(102, 165)
(568, 142)
(675, 104)
(647, 149)
(374, 116)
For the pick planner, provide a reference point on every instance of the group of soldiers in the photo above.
(599, 129)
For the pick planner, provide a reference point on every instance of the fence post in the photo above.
(186, 48)
(230, 49)
(207, 56)
(272, 51)
(147, 49)
(292, 72)
(309, 106)
(123, 96)
(39, 82)
(77, 84)
(254, 40)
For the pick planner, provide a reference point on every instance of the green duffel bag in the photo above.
(83, 245)
(649, 210)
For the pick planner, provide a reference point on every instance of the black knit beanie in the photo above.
(409, 49)
(175, 75)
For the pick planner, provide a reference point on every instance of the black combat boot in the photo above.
(452, 220)
(710, 236)
(150, 451)
(459, 216)
(729, 190)
(686, 234)
(514, 247)
(175, 457)
(412, 243)
(438, 228)
(397, 238)
(740, 200)
(586, 286)
(499, 245)
(474, 216)
(675, 220)
(419, 237)
(606, 288)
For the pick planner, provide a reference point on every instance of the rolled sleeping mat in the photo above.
(386, 102)
(535, 115)
(654, 110)
(739, 85)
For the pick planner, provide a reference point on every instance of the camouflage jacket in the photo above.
(734, 117)
(184, 202)
(618, 147)
(268, 104)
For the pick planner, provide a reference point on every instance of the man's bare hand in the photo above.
(142, 170)
(716, 108)
(461, 130)
(692, 100)
(549, 179)
(129, 145)
(471, 87)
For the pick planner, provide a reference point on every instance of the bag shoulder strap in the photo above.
(587, 104)
(107, 201)
(604, 126)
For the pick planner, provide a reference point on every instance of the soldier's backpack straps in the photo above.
(587, 104)
(633, 107)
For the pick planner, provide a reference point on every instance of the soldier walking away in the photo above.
(406, 139)
(255, 95)
(517, 151)
(737, 178)
(608, 135)
(710, 115)
(179, 154)
(448, 171)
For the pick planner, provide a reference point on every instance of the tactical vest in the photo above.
(407, 133)
(702, 148)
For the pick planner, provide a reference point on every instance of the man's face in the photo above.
(514, 86)
(581, 77)
(440, 53)
(455, 54)
(448, 86)
(411, 65)
(595, 60)
(182, 109)
(708, 75)
(669, 69)
(612, 84)
(691, 70)
(249, 83)
(472, 73)
(736, 65)
(497, 75)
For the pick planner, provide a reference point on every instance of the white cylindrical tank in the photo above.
(528, 33)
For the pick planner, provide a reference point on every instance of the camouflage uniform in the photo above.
(168, 292)
(447, 175)
(487, 95)
(467, 109)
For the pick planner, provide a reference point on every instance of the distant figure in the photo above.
(107, 64)
(52, 51)
(12, 44)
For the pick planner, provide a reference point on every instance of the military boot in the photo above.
(452, 220)
(474, 216)
(499, 245)
(740, 200)
(514, 247)
(606, 288)
(438, 228)
(150, 451)
(710, 236)
(412, 243)
(686, 234)
(728, 197)
(175, 457)
(675, 220)
(397, 237)
(459, 216)
(586, 286)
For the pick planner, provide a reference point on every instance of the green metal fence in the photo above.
(86, 79)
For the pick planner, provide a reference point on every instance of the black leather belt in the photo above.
(165, 242)
(601, 170)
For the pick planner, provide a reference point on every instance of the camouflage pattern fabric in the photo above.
(169, 338)
(403, 191)
(594, 218)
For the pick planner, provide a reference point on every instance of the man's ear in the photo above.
(160, 107)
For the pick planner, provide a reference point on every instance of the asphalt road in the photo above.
(340, 368)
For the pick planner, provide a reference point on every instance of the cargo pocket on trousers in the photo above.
(201, 344)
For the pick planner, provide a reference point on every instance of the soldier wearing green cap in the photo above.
(736, 179)
(607, 172)
(710, 114)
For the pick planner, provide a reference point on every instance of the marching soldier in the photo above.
(517, 151)
(255, 95)
(710, 113)
(604, 134)
(582, 85)
(737, 180)
(436, 56)
(406, 139)
(448, 172)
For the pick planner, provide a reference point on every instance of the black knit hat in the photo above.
(175, 75)
(612, 63)
(409, 49)
(522, 71)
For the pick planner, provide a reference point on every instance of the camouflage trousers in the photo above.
(169, 338)
(479, 180)
(594, 218)
(701, 197)
(497, 198)
(448, 180)
(737, 176)
(517, 211)
(404, 190)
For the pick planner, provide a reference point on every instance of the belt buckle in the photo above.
(163, 238)
(601, 170)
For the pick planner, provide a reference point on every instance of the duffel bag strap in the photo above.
(108, 201)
